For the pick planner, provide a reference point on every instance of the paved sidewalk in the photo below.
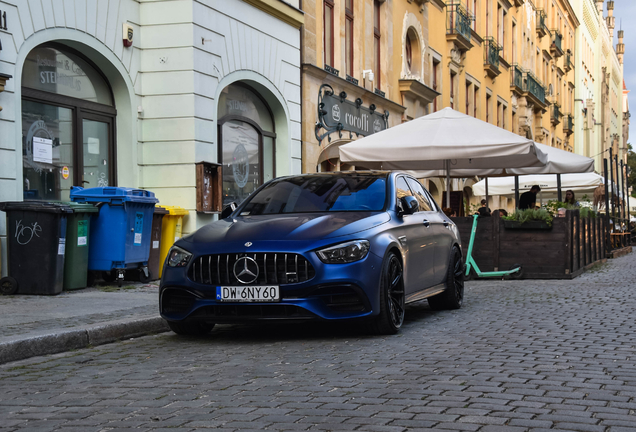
(38, 325)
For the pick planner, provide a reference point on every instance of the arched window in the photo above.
(247, 140)
(409, 52)
(68, 119)
(413, 53)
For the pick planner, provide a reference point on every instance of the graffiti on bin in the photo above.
(24, 234)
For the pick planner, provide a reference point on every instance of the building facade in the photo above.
(197, 101)
(365, 68)
(599, 78)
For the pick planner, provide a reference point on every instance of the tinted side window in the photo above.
(420, 194)
(402, 188)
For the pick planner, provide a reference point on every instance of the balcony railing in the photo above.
(568, 124)
(535, 88)
(556, 43)
(542, 28)
(555, 115)
(491, 52)
(458, 20)
(516, 78)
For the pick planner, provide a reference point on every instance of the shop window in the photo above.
(68, 119)
(247, 142)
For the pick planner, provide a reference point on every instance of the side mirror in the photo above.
(409, 205)
(228, 210)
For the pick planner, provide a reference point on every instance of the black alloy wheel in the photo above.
(453, 295)
(392, 297)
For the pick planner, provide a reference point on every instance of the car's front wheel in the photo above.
(453, 295)
(391, 297)
(191, 328)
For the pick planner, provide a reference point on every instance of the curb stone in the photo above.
(97, 334)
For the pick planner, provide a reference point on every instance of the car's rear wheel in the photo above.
(391, 315)
(191, 328)
(453, 295)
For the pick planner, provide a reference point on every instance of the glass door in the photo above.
(241, 160)
(47, 151)
(96, 156)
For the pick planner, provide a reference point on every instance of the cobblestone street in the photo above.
(520, 355)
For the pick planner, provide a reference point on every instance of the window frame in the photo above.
(349, 25)
(261, 133)
(81, 109)
(328, 56)
(377, 38)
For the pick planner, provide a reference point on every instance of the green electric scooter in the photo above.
(472, 270)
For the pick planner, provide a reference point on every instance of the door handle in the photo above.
(446, 223)
(426, 223)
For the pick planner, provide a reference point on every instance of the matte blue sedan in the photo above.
(327, 246)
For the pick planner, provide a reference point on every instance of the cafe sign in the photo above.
(337, 114)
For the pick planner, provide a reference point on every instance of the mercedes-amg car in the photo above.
(354, 245)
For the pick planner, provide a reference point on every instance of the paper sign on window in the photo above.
(93, 145)
(42, 150)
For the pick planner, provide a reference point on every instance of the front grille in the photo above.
(273, 268)
(229, 313)
(176, 301)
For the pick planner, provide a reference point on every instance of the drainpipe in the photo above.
(302, 120)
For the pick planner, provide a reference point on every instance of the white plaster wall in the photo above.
(184, 53)
(93, 27)
(234, 41)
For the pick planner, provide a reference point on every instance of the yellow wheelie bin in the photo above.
(170, 231)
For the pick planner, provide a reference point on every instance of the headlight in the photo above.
(178, 257)
(344, 253)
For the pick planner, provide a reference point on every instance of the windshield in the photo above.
(318, 193)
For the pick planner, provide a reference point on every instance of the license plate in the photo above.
(268, 293)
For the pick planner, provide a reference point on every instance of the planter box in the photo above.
(531, 225)
(562, 252)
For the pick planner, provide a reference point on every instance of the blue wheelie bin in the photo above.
(120, 233)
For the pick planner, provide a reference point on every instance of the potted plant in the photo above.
(529, 219)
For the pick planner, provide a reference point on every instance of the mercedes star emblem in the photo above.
(246, 270)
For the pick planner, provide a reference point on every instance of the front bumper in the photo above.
(336, 291)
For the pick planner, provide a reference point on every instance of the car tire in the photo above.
(392, 297)
(191, 328)
(453, 295)
(472, 274)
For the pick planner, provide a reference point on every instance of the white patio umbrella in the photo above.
(505, 186)
(446, 142)
(581, 183)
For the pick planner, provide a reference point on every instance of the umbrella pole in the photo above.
(448, 185)
(516, 192)
(559, 188)
(486, 192)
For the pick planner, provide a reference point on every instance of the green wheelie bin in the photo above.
(77, 239)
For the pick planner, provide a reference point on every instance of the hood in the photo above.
(288, 227)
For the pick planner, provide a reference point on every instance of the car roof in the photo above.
(371, 173)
